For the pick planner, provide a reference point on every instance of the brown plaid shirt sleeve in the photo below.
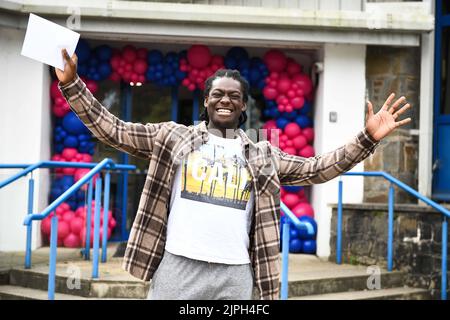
(134, 138)
(295, 170)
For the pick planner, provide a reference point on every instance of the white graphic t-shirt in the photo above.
(211, 204)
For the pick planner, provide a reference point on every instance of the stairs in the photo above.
(113, 282)
(310, 278)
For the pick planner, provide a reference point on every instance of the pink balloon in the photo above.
(199, 56)
(303, 209)
(299, 141)
(304, 82)
(83, 237)
(54, 90)
(76, 225)
(289, 108)
(72, 241)
(85, 157)
(58, 111)
(68, 171)
(270, 93)
(291, 200)
(56, 157)
(80, 173)
(309, 134)
(298, 102)
(275, 60)
(115, 77)
(69, 153)
(129, 53)
(292, 130)
(140, 66)
(306, 151)
(115, 62)
(281, 108)
(63, 229)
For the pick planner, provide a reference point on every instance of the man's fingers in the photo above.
(369, 109)
(388, 101)
(75, 58)
(397, 104)
(402, 110)
(403, 122)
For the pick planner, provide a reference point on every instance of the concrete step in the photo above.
(8, 292)
(113, 282)
(309, 276)
(403, 293)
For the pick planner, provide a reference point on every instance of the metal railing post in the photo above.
(105, 216)
(52, 267)
(88, 220)
(285, 260)
(339, 224)
(30, 226)
(390, 227)
(98, 193)
(444, 259)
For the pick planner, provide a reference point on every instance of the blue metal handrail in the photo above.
(307, 227)
(107, 164)
(444, 212)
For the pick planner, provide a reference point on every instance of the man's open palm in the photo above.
(382, 123)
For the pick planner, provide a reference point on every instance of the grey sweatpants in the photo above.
(181, 278)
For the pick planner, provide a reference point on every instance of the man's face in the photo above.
(225, 103)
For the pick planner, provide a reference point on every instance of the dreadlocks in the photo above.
(227, 73)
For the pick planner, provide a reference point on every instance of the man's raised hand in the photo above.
(382, 123)
(70, 68)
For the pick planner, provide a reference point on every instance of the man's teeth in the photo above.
(223, 111)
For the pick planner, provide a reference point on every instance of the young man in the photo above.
(207, 225)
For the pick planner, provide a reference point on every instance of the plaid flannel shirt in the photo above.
(165, 144)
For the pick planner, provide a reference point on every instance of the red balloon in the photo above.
(290, 150)
(293, 67)
(141, 53)
(129, 53)
(115, 61)
(63, 229)
(270, 93)
(309, 134)
(69, 153)
(58, 111)
(68, 216)
(291, 200)
(83, 237)
(306, 151)
(299, 141)
(199, 56)
(54, 90)
(140, 66)
(275, 60)
(92, 86)
(303, 209)
(283, 85)
(304, 83)
(76, 225)
(298, 102)
(292, 130)
(46, 226)
(72, 241)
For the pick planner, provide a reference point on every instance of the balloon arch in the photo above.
(287, 90)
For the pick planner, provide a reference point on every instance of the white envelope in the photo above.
(44, 41)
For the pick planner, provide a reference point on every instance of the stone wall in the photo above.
(394, 70)
(417, 241)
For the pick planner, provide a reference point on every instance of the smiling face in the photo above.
(225, 103)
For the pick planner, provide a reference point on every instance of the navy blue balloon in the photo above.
(105, 70)
(104, 52)
(306, 108)
(82, 69)
(303, 121)
(295, 246)
(309, 246)
(293, 233)
(84, 137)
(230, 62)
(282, 122)
(71, 141)
(83, 51)
(67, 181)
(154, 57)
(302, 233)
(238, 53)
(289, 115)
(292, 189)
(59, 147)
(73, 125)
